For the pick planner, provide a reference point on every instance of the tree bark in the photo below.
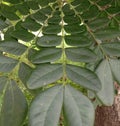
(109, 115)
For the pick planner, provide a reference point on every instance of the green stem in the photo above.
(63, 46)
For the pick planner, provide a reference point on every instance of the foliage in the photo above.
(57, 48)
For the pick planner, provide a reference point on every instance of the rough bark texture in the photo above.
(109, 116)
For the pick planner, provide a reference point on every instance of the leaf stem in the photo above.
(63, 46)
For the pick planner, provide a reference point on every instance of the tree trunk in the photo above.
(109, 116)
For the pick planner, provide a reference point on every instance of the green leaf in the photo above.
(98, 23)
(8, 12)
(47, 55)
(106, 94)
(78, 40)
(75, 29)
(115, 68)
(42, 3)
(91, 13)
(103, 3)
(2, 24)
(13, 1)
(80, 55)
(44, 74)
(45, 2)
(78, 109)
(70, 19)
(112, 49)
(8, 36)
(41, 17)
(92, 65)
(107, 33)
(46, 107)
(42, 14)
(46, 10)
(22, 34)
(3, 81)
(81, 5)
(12, 47)
(52, 29)
(31, 24)
(55, 19)
(31, 53)
(14, 105)
(24, 72)
(114, 23)
(49, 40)
(67, 11)
(10, 15)
(23, 8)
(7, 64)
(113, 10)
(32, 5)
(84, 77)
(63, 31)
